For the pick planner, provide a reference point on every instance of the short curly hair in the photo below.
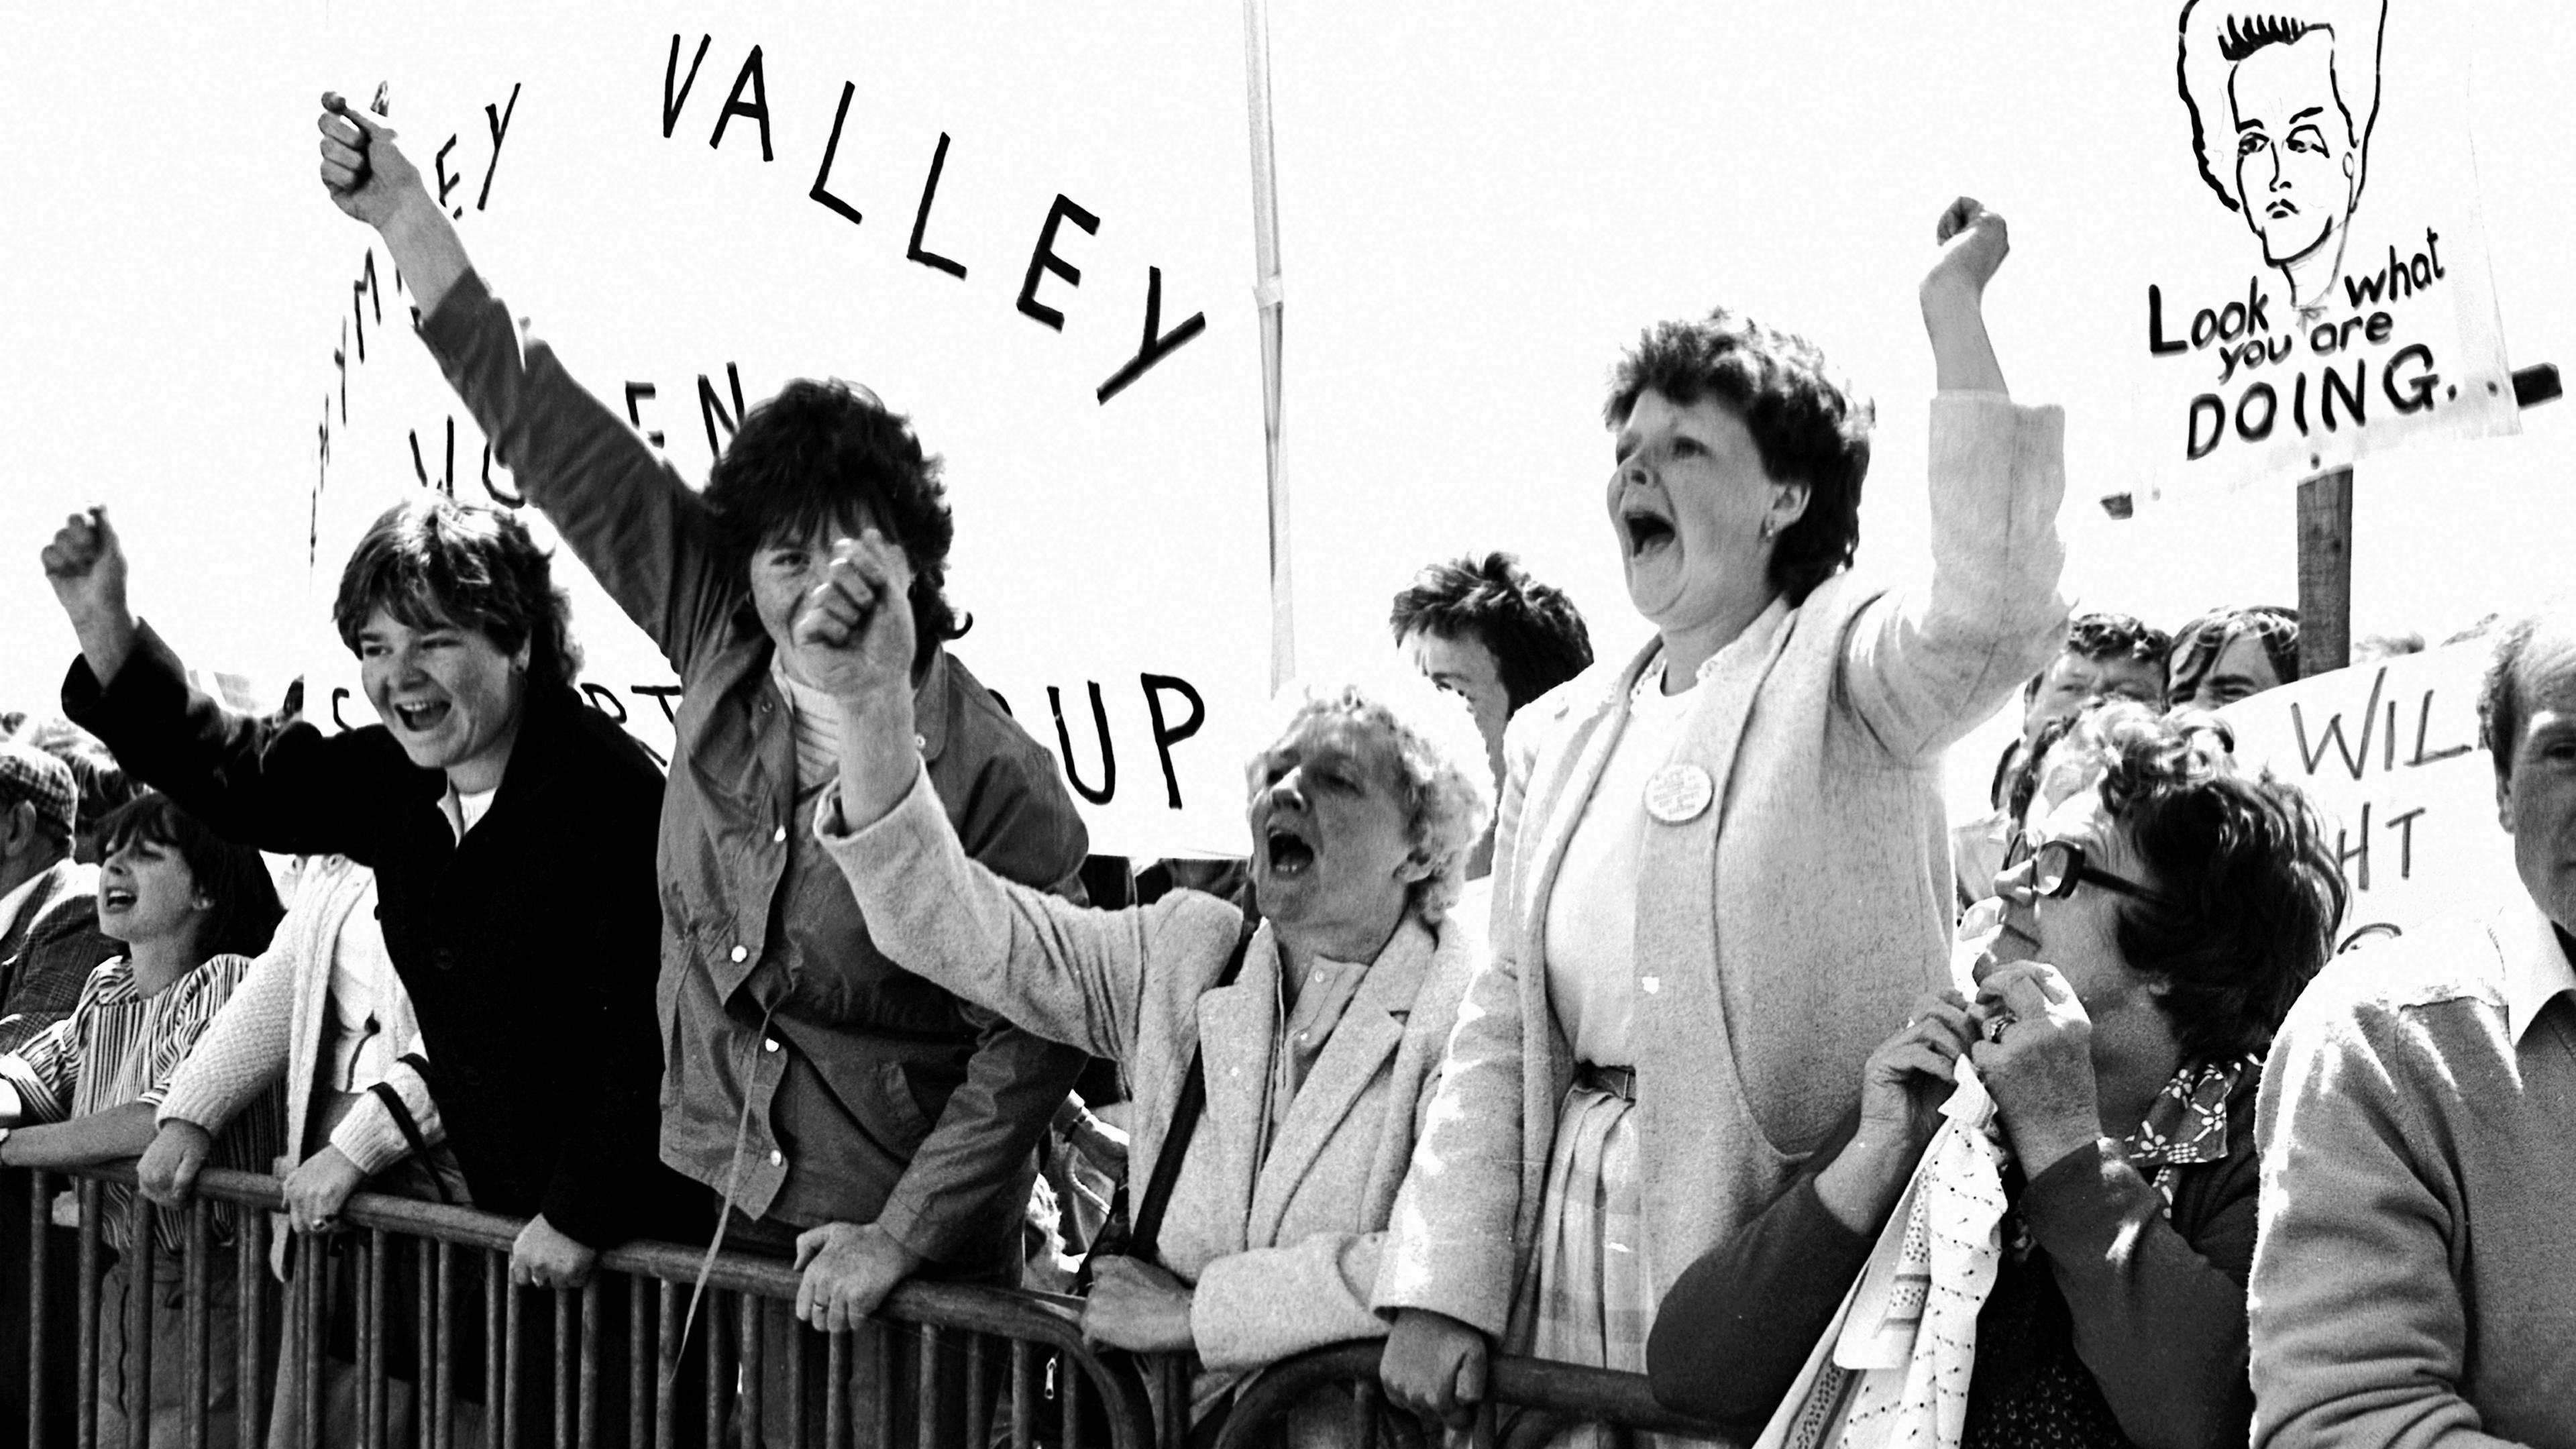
(1533, 630)
(2101, 634)
(824, 455)
(434, 561)
(2250, 892)
(1807, 423)
(2197, 645)
(1448, 786)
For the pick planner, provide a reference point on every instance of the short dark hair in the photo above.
(2200, 642)
(824, 452)
(2251, 891)
(434, 561)
(1533, 630)
(1807, 424)
(2500, 688)
(2101, 634)
(246, 909)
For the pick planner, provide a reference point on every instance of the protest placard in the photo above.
(2389, 752)
(1026, 228)
(2326, 292)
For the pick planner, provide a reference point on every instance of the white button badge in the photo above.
(1677, 793)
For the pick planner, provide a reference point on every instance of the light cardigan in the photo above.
(272, 1028)
(1782, 932)
(2415, 1269)
(1282, 1249)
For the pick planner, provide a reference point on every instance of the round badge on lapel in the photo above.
(1677, 793)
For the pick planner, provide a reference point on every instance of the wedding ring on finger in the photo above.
(1995, 1026)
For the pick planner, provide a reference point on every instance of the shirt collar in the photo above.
(2536, 968)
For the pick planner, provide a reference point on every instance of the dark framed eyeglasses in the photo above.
(2058, 865)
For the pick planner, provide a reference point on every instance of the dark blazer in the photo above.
(49, 950)
(529, 948)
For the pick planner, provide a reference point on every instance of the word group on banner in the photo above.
(2388, 751)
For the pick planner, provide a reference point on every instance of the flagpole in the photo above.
(1266, 291)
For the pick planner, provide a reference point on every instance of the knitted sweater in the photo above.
(2415, 1275)
(272, 1028)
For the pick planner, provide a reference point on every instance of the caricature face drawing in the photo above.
(2294, 159)
(2282, 103)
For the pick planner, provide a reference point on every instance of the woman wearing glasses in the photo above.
(2152, 938)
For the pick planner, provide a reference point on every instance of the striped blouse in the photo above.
(119, 1046)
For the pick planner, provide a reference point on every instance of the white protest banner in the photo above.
(2324, 292)
(1028, 228)
(2389, 753)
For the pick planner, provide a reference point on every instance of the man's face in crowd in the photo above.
(2074, 683)
(2536, 801)
(1466, 668)
(2294, 161)
(2240, 669)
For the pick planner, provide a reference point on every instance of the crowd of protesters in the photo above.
(1645, 1014)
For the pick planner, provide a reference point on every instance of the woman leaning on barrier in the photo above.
(1311, 1033)
(191, 910)
(510, 828)
(323, 1010)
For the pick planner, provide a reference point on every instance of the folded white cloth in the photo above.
(1893, 1367)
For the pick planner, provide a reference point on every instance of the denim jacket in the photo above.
(877, 1097)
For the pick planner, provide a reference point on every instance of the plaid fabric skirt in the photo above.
(1596, 1297)
(1592, 1299)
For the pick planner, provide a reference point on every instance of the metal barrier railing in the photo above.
(1561, 1394)
(964, 1367)
(955, 1367)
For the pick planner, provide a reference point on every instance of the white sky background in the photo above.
(1479, 206)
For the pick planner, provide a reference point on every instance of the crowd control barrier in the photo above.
(1550, 1396)
(432, 1332)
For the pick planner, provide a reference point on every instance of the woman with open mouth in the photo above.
(1308, 1031)
(510, 828)
(1721, 876)
(192, 911)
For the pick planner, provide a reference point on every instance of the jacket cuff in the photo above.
(2082, 1200)
(1451, 1288)
(449, 327)
(1251, 1309)
(582, 1213)
(915, 1225)
(369, 1138)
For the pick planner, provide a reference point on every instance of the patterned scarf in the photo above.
(2187, 1123)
